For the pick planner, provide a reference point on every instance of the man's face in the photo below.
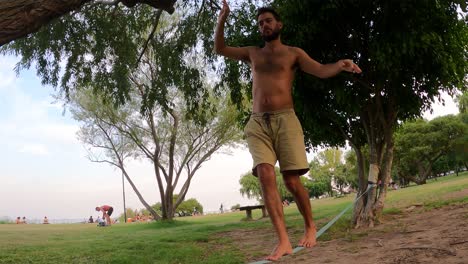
(269, 27)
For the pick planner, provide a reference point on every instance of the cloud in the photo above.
(58, 132)
(7, 73)
(30, 114)
(34, 149)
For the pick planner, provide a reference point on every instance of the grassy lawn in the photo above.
(190, 239)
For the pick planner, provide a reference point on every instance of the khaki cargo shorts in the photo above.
(277, 136)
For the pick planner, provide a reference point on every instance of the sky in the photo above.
(44, 170)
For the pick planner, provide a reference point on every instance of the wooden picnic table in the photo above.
(248, 210)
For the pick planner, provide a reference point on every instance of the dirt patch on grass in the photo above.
(414, 236)
(455, 195)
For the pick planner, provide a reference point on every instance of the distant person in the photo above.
(91, 220)
(18, 220)
(100, 221)
(221, 208)
(394, 186)
(106, 212)
(45, 220)
(24, 220)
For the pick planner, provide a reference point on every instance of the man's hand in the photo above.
(224, 12)
(349, 66)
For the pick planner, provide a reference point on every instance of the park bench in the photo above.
(248, 210)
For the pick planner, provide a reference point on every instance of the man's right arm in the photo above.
(237, 53)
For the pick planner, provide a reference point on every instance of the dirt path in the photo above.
(415, 236)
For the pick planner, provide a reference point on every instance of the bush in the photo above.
(316, 188)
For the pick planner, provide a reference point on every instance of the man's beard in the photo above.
(273, 36)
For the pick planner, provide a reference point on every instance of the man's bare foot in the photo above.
(279, 251)
(308, 240)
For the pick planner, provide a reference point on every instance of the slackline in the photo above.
(326, 227)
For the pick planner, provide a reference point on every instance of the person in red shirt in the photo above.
(106, 212)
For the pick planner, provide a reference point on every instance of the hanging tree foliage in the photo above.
(100, 45)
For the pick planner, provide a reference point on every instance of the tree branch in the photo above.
(22, 17)
(105, 161)
(166, 5)
(103, 2)
(155, 26)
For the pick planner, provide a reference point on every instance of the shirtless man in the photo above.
(106, 212)
(273, 131)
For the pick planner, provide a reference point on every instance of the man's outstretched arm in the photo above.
(310, 66)
(219, 45)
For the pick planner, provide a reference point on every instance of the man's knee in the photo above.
(265, 172)
(265, 169)
(292, 183)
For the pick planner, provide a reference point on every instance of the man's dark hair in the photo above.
(262, 10)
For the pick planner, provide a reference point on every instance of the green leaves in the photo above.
(408, 52)
(420, 144)
(99, 47)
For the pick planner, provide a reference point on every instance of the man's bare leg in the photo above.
(301, 196)
(108, 219)
(272, 199)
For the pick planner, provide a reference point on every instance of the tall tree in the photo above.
(398, 46)
(174, 144)
(421, 143)
(330, 158)
(330, 168)
(409, 51)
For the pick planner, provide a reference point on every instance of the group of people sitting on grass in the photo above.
(140, 218)
(21, 221)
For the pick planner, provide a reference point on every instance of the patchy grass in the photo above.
(392, 211)
(441, 203)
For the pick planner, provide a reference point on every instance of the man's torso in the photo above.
(273, 73)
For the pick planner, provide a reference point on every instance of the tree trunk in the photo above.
(168, 206)
(364, 215)
(18, 18)
(386, 176)
(140, 197)
(423, 172)
(170, 209)
(362, 183)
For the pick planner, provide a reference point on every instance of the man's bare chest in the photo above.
(273, 62)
